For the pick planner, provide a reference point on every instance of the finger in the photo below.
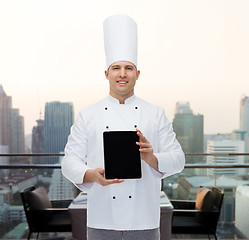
(138, 130)
(139, 133)
(101, 171)
(112, 181)
(146, 150)
(142, 138)
(144, 145)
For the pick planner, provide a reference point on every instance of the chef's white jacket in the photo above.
(135, 203)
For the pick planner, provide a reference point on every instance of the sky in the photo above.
(192, 51)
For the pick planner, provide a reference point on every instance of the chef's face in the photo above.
(122, 77)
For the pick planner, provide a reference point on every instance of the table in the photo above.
(77, 211)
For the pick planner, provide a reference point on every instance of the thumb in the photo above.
(101, 171)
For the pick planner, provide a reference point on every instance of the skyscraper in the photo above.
(188, 128)
(5, 106)
(11, 125)
(16, 142)
(38, 141)
(244, 113)
(58, 121)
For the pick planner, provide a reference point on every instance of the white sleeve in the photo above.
(74, 163)
(171, 158)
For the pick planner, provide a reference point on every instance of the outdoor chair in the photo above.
(200, 216)
(44, 215)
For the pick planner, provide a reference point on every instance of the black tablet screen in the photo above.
(121, 155)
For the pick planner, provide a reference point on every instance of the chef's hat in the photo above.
(120, 38)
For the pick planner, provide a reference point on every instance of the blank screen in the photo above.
(121, 155)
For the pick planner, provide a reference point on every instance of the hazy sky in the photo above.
(189, 50)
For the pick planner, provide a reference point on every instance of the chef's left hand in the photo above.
(146, 151)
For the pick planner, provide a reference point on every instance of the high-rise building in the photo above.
(17, 142)
(38, 141)
(11, 125)
(58, 121)
(189, 132)
(225, 146)
(244, 113)
(5, 106)
(188, 128)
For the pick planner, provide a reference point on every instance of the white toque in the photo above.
(120, 38)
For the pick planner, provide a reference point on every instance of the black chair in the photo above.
(200, 216)
(44, 215)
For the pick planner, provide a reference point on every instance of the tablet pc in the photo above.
(121, 155)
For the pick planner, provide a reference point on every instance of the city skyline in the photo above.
(195, 51)
(42, 117)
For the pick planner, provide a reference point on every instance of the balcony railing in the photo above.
(187, 165)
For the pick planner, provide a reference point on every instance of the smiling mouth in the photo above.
(122, 82)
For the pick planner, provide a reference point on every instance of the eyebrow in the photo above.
(125, 66)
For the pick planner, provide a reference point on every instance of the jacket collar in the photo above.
(129, 100)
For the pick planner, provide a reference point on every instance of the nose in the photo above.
(122, 73)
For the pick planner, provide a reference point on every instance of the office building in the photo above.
(61, 187)
(244, 113)
(244, 119)
(216, 137)
(188, 128)
(5, 106)
(12, 213)
(6, 196)
(11, 125)
(189, 132)
(38, 141)
(17, 143)
(223, 147)
(4, 161)
(58, 121)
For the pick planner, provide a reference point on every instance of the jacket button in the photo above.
(113, 197)
(129, 196)
(135, 126)
(106, 127)
(136, 107)
(106, 108)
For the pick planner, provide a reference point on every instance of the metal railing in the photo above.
(187, 165)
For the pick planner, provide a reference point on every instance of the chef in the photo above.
(122, 208)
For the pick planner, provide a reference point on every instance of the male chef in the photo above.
(122, 208)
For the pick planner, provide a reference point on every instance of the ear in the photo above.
(138, 74)
(106, 74)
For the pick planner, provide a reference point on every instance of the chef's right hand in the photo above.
(97, 175)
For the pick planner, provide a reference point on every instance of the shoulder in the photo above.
(93, 107)
(91, 110)
(150, 107)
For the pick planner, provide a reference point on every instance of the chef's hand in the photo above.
(146, 151)
(97, 175)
